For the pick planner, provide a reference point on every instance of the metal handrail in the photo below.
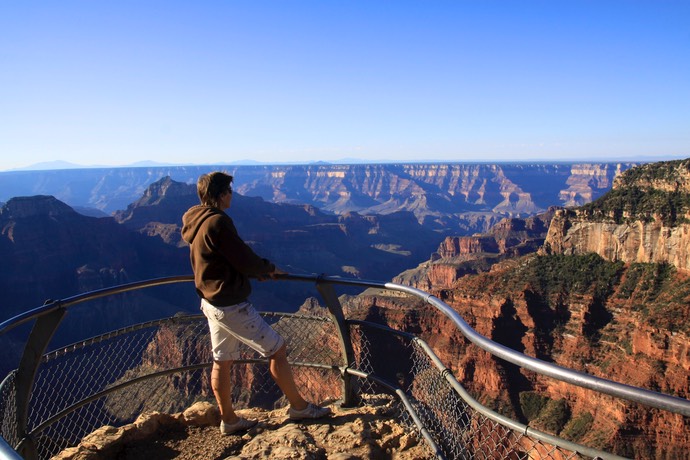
(476, 405)
(581, 379)
(506, 421)
(48, 318)
(53, 305)
(6, 452)
(50, 314)
(609, 387)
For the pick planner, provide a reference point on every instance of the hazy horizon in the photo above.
(60, 165)
(121, 83)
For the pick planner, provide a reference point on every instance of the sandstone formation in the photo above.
(645, 218)
(158, 211)
(607, 296)
(585, 181)
(458, 256)
(637, 241)
(469, 197)
(49, 251)
(372, 246)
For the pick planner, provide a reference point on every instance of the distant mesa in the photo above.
(50, 165)
(462, 198)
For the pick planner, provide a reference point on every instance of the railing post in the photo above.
(36, 345)
(336, 310)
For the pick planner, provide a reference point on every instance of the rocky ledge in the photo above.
(369, 431)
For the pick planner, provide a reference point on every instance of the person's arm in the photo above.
(243, 259)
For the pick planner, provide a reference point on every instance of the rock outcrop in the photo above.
(637, 241)
(49, 251)
(366, 246)
(359, 433)
(586, 180)
(159, 210)
(458, 256)
(645, 219)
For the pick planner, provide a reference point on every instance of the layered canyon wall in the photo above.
(605, 295)
(517, 188)
(645, 218)
(649, 242)
(628, 325)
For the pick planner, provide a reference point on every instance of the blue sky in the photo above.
(119, 82)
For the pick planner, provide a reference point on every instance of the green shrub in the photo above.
(668, 171)
(566, 274)
(645, 280)
(634, 199)
(578, 427)
(553, 416)
(532, 404)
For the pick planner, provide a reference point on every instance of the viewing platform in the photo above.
(53, 394)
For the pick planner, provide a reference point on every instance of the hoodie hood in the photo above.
(194, 218)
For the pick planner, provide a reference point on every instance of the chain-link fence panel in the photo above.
(164, 366)
(8, 409)
(313, 349)
(459, 430)
(160, 366)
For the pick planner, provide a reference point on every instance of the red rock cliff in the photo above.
(644, 218)
(603, 333)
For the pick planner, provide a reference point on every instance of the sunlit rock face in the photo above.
(643, 219)
(623, 336)
(442, 194)
(629, 242)
(361, 432)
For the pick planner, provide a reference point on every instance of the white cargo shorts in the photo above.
(239, 323)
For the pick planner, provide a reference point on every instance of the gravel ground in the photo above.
(185, 443)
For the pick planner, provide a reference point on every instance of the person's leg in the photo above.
(282, 374)
(246, 325)
(230, 422)
(222, 389)
(225, 352)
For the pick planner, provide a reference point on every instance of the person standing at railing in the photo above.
(222, 264)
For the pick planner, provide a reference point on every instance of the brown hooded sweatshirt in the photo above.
(221, 261)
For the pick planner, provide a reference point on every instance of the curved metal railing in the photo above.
(432, 401)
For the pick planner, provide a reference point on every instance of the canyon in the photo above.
(366, 221)
(460, 198)
(595, 279)
(583, 300)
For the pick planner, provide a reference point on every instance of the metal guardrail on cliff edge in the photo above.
(50, 400)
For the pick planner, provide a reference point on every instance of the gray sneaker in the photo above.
(312, 411)
(239, 426)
